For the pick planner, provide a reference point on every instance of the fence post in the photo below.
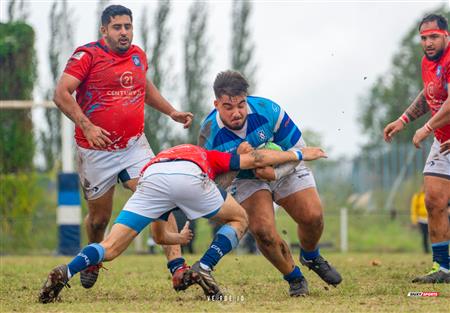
(68, 215)
(344, 230)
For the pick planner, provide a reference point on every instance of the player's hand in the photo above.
(96, 136)
(265, 173)
(313, 153)
(186, 234)
(391, 129)
(420, 136)
(445, 147)
(185, 118)
(244, 148)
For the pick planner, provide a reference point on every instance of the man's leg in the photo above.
(117, 241)
(235, 223)
(437, 193)
(96, 221)
(99, 213)
(305, 208)
(175, 261)
(259, 207)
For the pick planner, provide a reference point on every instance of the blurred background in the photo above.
(342, 71)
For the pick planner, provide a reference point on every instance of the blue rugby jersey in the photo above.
(266, 121)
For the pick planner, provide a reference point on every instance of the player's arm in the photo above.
(417, 108)
(96, 136)
(164, 236)
(154, 98)
(441, 118)
(261, 158)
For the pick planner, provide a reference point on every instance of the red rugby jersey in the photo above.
(436, 77)
(212, 162)
(112, 91)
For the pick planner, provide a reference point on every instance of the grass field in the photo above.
(142, 284)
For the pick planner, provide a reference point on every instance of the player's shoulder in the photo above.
(209, 119)
(137, 49)
(262, 105)
(94, 47)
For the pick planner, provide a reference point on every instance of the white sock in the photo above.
(205, 267)
(440, 268)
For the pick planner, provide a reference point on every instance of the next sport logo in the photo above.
(423, 294)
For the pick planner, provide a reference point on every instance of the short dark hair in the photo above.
(230, 83)
(114, 10)
(441, 21)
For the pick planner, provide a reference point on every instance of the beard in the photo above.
(435, 57)
(115, 45)
(236, 127)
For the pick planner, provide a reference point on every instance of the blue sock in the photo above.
(296, 273)
(440, 254)
(90, 255)
(226, 239)
(309, 255)
(175, 264)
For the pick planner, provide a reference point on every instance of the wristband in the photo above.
(299, 154)
(404, 118)
(428, 127)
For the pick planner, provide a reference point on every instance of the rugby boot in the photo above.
(56, 280)
(89, 276)
(322, 268)
(435, 276)
(181, 280)
(206, 281)
(298, 287)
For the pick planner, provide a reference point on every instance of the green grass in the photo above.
(142, 284)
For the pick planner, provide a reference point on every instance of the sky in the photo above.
(314, 58)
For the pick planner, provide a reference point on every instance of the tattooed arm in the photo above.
(440, 119)
(417, 108)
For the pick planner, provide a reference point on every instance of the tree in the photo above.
(18, 75)
(241, 45)
(61, 44)
(156, 123)
(196, 60)
(17, 11)
(393, 92)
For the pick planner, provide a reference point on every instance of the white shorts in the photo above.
(302, 178)
(100, 170)
(166, 186)
(437, 163)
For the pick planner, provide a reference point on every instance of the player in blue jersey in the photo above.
(240, 123)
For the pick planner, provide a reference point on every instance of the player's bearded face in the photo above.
(433, 43)
(232, 110)
(118, 33)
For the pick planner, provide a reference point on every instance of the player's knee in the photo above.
(264, 237)
(435, 204)
(314, 218)
(158, 237)
(98, 224)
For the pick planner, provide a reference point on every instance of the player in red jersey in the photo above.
(182, 176)
(436, 77)
(109, 77)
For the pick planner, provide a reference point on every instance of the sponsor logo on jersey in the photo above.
(78, 55)
(126, 79)
(275, 108)
(136, 60)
